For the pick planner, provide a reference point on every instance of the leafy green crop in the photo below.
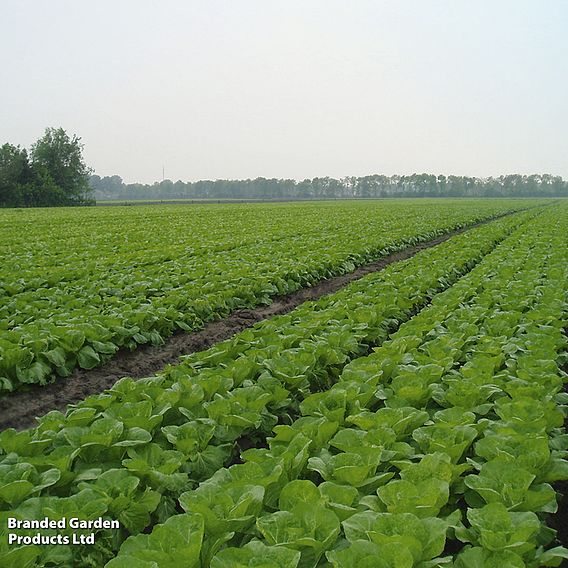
(359, 468)
(74, 289)
(401, 503)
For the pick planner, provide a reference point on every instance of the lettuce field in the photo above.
(412, 417)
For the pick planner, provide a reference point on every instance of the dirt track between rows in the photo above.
(18, 410)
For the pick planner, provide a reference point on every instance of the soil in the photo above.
(559, 520)
(18, 410)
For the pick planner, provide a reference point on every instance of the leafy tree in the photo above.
(58, 162)
(52, 173)
(16, 176)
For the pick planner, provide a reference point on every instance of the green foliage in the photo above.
(16, 177)
(74, 291)
(176, 542)
(363, 476)
(52, 174)
(420, 455)
(255, 554)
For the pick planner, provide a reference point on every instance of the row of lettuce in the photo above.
(130, 453)
(438, 449)
(74, 290)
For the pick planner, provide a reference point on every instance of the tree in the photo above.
(16, 176)
(57, 161)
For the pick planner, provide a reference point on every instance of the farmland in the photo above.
(77, 285)
(413, 418)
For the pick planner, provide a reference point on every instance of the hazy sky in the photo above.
(296, 88)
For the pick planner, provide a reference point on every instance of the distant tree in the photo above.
(372, 186)
(305, 189)
(440, 184)
(107, 187)
(58, 163)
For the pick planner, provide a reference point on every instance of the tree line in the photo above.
(373, 186)
(51, 173)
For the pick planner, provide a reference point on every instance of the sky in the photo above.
(216, 89)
